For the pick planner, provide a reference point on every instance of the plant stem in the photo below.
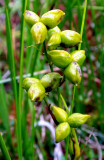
(72, 102)
(32, 108)
(79, 47)
(10, 58)
(65, 105)
(46, 101)
(83, 22)
(67, 146)
(51, 68)
(20, 81)
(4, 148)
(59, 97)
(99, 8)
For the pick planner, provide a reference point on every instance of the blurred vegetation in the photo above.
(89, 97)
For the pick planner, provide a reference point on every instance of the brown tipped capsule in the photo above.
(60, 58)
(62, 131)
(78, 56)
(70, 38)
(60, 114)
(36, 92)
(54, 41)
(39, 32)
(52, 18)
(31, 18)
(77, 119)
(51, 81)
(73, 73)
(27, 82)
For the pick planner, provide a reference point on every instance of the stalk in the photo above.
(21, 77)
(10, 62)
(32, 138)
(79, 47)
(51, 68)
(4, 148)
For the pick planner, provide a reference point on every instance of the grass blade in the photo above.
(4, 111)
(21, 77)
(4, 148)
(11, 57)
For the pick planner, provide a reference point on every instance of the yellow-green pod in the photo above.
(51, 81)
(70, 38)
(27, 82)
(53, 30)
(78, 56)
(54, 41)
(36, 92)
(77, 119)
(39, 32)
(52, 18)
(62, 131)
(60, 58)
(60, 114)
(73, 73)
(31, 18)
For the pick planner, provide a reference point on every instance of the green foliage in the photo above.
(89, 96)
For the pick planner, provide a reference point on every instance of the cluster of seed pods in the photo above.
(45, 28)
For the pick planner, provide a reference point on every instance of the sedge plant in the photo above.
(44, 30)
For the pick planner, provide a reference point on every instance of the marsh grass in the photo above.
(32, 59)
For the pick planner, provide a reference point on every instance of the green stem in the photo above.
(51, 68)
(72, 102)
(65, 105)
(79, 47)
(46, 101)
(10, 56)
(32, 108)
(67, 146)
(83, 22)
(59, 98)
(99, 8)
(20, 81)
(4, 148)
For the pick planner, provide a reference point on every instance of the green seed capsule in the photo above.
(36, 92)
(78, 56)
(60, 114)
(77, 119)
(73, 73)
(31, 18)
(52, 18)
(27, 82)
(54, 41)
(53, 30)
(60, 58)
(70, 38)
(51, 81)
(39, 32)
(62, 131)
